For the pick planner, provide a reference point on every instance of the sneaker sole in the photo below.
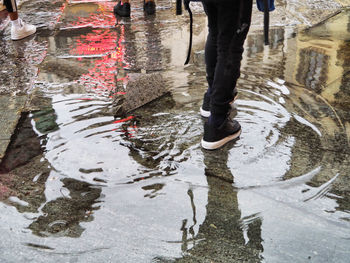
(206, 114)
(27, 35)
(218, 144)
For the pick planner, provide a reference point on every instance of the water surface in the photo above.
(80, 185)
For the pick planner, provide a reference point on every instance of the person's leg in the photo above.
(149, 6)
(122, 8)
(233, 24)
(19, 29)
(11, 7)
(211, 44)
(234, 18)
(210, 54)
(211, 9)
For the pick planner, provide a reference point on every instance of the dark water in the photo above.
(79, 185)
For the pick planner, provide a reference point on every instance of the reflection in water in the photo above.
(18, 62)
(101, 79)
(153, 146)
(62, 216)
(25, 176)
(90, 14)
(154, 188)
(224, 235)
(313, 69)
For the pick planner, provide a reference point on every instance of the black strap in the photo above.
(266, 21)
(187, 7)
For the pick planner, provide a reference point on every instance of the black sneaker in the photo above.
(149, 7)
(215, 137)
(205, 109)
(122, 9)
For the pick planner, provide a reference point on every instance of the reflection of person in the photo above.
(228, 23)
(62, 216)
(123, 7)
(19, 29)
(220, 236)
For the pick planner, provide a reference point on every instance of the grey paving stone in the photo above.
(3, 147)
(10, 113)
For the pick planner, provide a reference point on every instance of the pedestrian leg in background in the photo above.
(228, 23)
(123, 8)
(19, 29)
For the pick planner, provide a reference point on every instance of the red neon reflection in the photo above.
(107, 44)
(98, 42)
(61, 9)
(124, 120)
(104, 48)
(129, 131)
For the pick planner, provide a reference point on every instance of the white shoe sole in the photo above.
(29, 33)
(206, 114)
(222, 142)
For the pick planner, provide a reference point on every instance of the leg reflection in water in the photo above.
(223, 237)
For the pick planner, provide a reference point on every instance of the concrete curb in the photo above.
(14, 100)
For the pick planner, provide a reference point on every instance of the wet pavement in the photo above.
(80, 184)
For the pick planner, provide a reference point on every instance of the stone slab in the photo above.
(8, 121)
(12, 103)
(3, 146)
(10, 113)
(141, 90)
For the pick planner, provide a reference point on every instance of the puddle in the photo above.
(79, 183)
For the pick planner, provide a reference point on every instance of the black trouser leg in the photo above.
(11, 5)
(211, 45)
(224, 48)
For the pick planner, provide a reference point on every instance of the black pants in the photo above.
(228, 22)
(11, 5)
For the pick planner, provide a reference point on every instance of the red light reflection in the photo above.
(104, 48)
(124, 120)
(107, 51)
(129, 127)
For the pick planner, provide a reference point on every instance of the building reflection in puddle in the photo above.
(25, 174)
